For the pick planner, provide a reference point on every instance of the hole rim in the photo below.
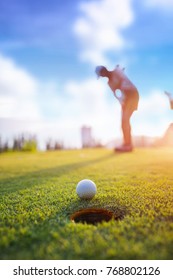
(81, 216)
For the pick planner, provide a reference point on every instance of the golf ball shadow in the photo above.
(94, 216)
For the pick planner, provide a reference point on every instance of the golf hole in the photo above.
(93, 216)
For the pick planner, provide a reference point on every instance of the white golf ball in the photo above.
(86, 189)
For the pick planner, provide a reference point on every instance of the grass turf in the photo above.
(38, 195)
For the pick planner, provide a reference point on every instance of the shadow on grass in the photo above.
(29, 179)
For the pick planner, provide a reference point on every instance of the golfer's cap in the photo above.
(98, 70)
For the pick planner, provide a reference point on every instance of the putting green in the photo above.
(38, 196)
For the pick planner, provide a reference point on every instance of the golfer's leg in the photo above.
(126, 128)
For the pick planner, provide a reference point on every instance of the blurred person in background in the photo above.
(129, 98)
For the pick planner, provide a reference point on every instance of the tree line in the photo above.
(29, 143)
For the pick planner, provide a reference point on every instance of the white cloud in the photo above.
(23, 98)
(17, 92)
(162, 4)
(153, 115)
(99, 27)
(92, 103)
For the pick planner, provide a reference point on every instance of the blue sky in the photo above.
(48, 53)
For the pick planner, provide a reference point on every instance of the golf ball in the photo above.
(86, 189)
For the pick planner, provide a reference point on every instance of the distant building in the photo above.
(140, 141)
(167, 139)
(144, 141)
(86, 136)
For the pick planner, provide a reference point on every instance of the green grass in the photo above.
(38, 195)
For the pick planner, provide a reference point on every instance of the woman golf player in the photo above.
(129, 100)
